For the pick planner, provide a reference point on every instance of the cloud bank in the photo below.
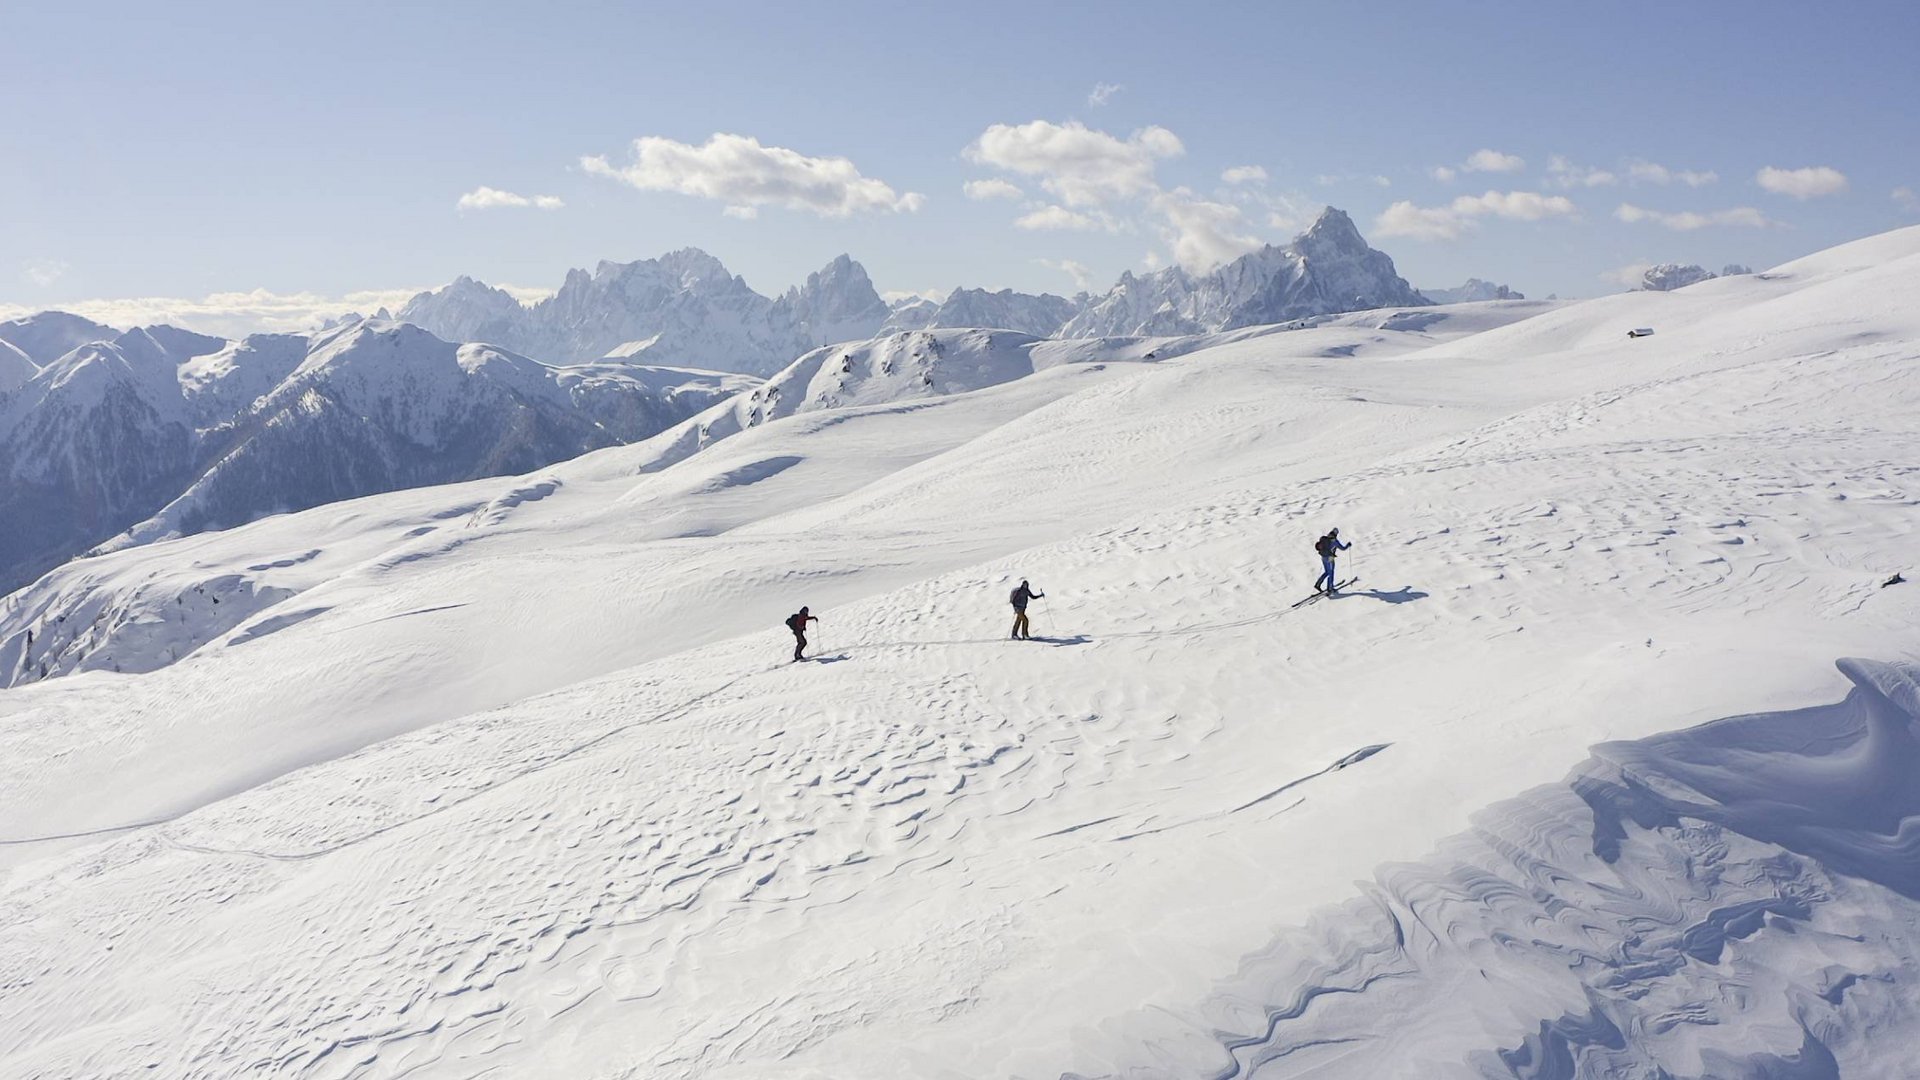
(738, 171)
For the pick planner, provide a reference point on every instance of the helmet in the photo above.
(1333, 531)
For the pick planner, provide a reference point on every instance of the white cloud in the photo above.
(44, 272)
(1629, 275)
(1203, 234)
(738, 171)
(1568, 175)
(1806, 183)
(486, 198)
(1492, 161)
(995, 188)
(1648, 172)
(1082, 277)
(1245, 174)
(741, 213)
(236, 314)
(1403, 218)
(1516, 205)
(1056, 217)
(1082, 166)
(1688, 220)
(1103, 93)
(1459, 216)
(1482, 160)
(1330, 179)
(1905, 199)
(894, 296)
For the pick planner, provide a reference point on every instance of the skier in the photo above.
(1020, 597)
(797, 622)
(1329, 547)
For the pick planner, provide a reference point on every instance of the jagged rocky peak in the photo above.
(837, 303)
(1667, 277)
(1473, 291)
(1333, 232)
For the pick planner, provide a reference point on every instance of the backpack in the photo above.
(1324, 546)
(1014, 597)
(796, 624)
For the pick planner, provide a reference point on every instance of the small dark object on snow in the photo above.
(1894, 580)
(1644, 331)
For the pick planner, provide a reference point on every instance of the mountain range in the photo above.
(109, 439)
(685, 308)
(160, 432)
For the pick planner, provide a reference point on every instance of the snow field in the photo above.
(536, 793)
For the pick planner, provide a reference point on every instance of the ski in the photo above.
(1318, 595)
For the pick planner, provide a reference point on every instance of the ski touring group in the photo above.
(1328, 548)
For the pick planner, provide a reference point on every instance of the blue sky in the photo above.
(319, 153)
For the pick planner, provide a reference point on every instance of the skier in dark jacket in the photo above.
(1329, 547)
(797, 622)
(1020, 597)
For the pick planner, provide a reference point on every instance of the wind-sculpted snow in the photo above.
(519, 777)
(1739, 899)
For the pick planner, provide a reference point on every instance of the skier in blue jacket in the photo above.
(1329, 547)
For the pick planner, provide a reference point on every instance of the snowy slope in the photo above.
(15, 368)
(514, 777)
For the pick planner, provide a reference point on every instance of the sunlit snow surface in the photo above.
(513, 778)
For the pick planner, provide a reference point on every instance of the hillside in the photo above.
(513, 775)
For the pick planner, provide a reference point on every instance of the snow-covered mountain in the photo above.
(1327, 269)
(685, 308)
(161, 432)
(1603, 767)
(1025, 313)
(682, 309)
(15, 367)
(1666, 277)
(92, 442)
(838, 303)
(49, 335)
(1473, 291)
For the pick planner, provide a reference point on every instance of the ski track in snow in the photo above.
(534, 793)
